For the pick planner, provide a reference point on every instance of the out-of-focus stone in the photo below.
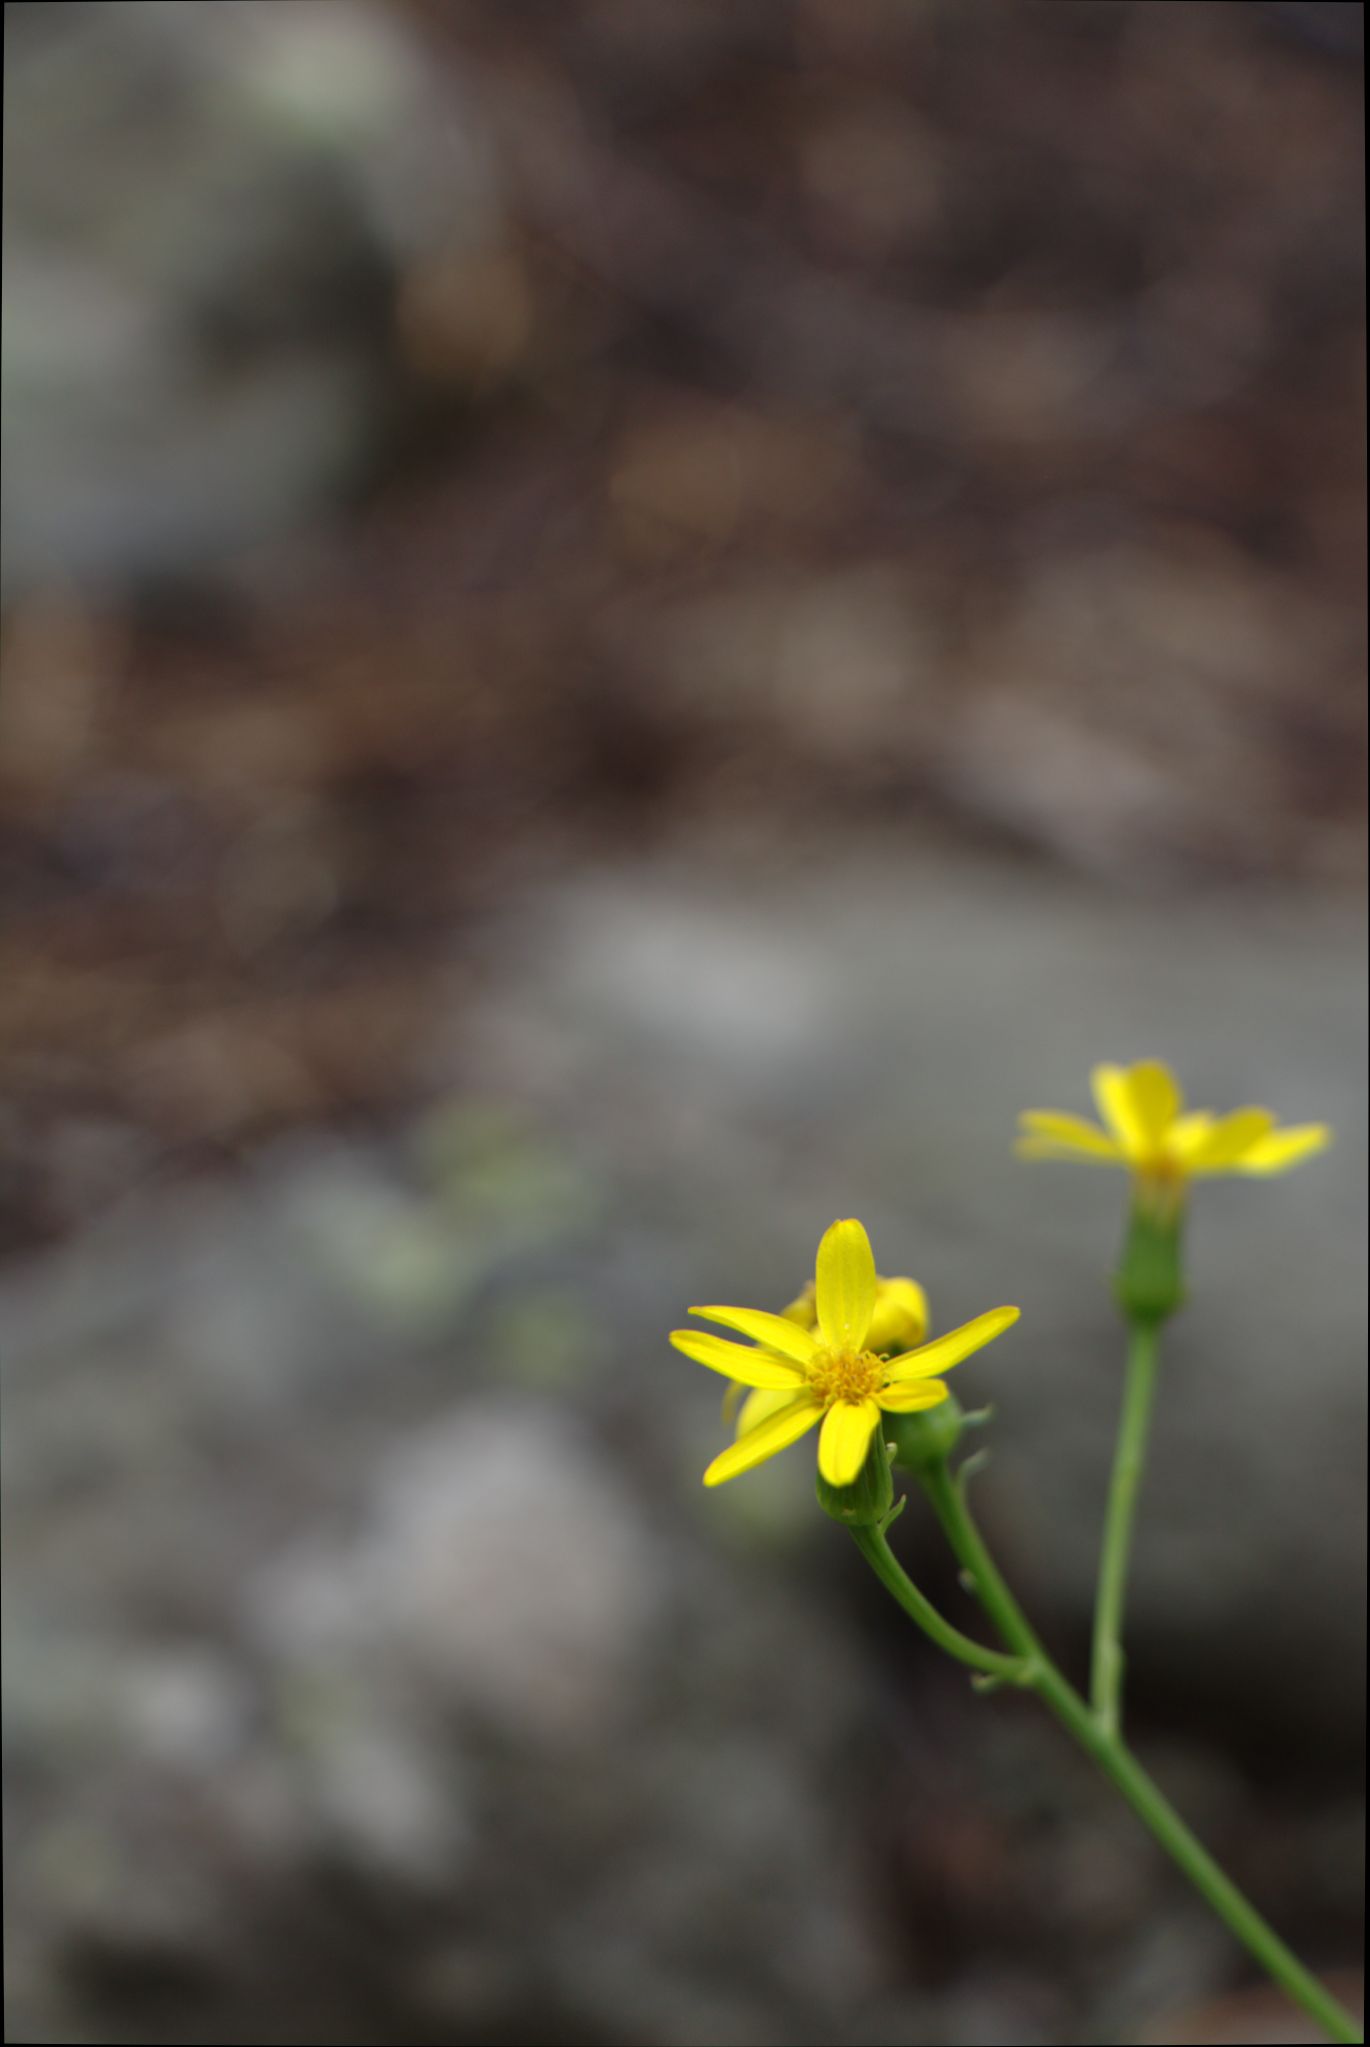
(193, 362)
(502, 1560)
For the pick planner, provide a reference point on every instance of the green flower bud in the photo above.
(1149, 1283)
(868, 1499)
(926, 1438)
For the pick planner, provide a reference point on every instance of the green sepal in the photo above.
(867, 1501)
(1149, 1283)
(925, 1439)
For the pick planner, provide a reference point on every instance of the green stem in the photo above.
(1156, 1812)
(1031, 1666)
(1106, 1668)
(948, 1497)
(882, 1560)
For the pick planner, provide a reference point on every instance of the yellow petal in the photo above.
(1282, 1149)
(1220, 1149)
(845, 1285)
(732, 1401)
(760, 1406)
(1112, 1087)
(1187, 1133)
(772, 1330)
(900, 1317)
(908, 1397)
(847, 1431)
(1156, 1097)
(1043, 1148)
(763, 1442)
(737, 1360)
(1061, 1136)
(945, 1351)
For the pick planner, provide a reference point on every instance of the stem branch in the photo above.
(887, 1568)
(1096, 1734)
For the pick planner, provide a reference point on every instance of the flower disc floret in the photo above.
(828, 1372)
(845, 1375)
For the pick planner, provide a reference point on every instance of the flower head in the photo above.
(1147, 1129)
(898, 1322)
(829, 1372)
(899, 1319)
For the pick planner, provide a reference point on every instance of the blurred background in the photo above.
(626, 624)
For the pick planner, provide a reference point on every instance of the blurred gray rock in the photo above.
(502, 1560)
(205, 211)
(312, 1641)
(372, 1621)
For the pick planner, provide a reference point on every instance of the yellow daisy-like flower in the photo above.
(829, 1373)
(899, 1319)
(1147, 1128)
(899, 1322)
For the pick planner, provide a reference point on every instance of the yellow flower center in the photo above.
(845, 1374)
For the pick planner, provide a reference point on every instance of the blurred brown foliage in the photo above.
(949, 416)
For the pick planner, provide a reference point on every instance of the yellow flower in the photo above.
(899, 1322)
(828, 1373)
(1148, 1130)
(899, 1319)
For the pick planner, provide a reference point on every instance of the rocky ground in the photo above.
(624, 629)
(367, 1605)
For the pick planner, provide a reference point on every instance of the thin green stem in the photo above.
(1129, 1458)
(948, 1497)
(887, 1568)
(1034, 1668)
(1156, 1812)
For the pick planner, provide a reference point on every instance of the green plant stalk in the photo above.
(1129, 1459)
(887, 1568)
(1030, 1666)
